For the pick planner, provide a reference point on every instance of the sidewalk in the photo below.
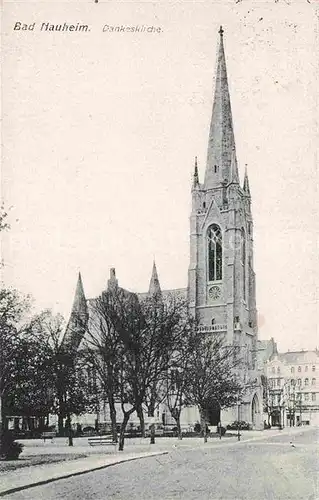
(255, 435)
(104, 457)
(42, 474)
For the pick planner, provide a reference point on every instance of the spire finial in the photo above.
(196, 180)
(246, 182)
(221, 31)
(154, 288)
(233, 167)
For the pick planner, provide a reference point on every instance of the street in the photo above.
(278, 467)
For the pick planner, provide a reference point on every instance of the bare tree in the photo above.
(168, 325)
(133, 344)
(211, 376)
(103, 348)
(113, 324)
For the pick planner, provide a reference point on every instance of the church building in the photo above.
(221, 289)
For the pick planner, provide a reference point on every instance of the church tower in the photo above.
(221, 281)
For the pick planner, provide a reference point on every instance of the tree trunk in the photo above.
(177, 418)
(151, 411)
(41, 422)
(60, 425)
(1, 422)
(123, 428)
(113, 417)
(203, 424)
(69, 430)
(152, 440)
(140, 415)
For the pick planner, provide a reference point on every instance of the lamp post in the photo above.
(280, 417)
(282, 414)
(238, 419)
(219, 426)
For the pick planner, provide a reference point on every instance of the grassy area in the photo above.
(28, 461)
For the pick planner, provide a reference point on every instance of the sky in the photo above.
(99, 134)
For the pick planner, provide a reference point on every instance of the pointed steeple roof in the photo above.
(221, 141)
(196, 178)
(154, 288)
(246, 183)
(77, 323)
(79, 303)
(234, 178)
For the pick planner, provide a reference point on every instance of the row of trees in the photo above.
(141, 352)
(149, 351)
(38, 375)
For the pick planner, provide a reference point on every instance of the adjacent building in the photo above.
(292, 396)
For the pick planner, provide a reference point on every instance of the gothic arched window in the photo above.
(215, 253)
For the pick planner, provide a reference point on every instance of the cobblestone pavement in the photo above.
(273, 468)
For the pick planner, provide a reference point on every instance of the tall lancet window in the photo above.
(243, 259)
(215, 253)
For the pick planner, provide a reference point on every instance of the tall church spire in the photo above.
(221, 142)
(154, 288)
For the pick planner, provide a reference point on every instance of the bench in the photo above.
(95, 440)
(48, 435)
(169, 433)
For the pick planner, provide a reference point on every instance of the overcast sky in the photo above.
(100, 131)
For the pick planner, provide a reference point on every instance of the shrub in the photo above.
(10, 449)
(197, 428)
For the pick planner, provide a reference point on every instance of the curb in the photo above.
(232, 443)
(284, 432)
(77, 473)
